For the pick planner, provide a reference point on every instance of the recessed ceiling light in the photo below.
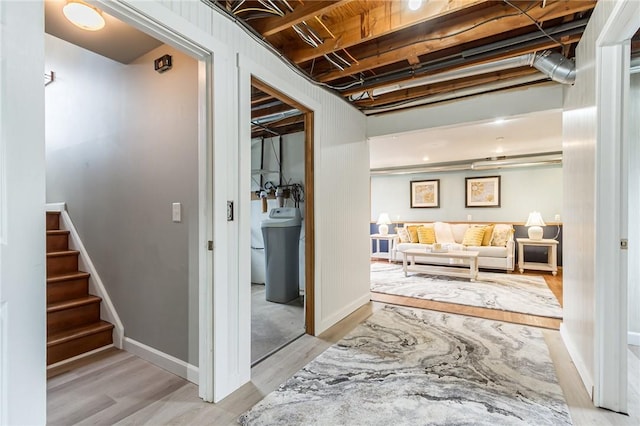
(498, 121)
(414, 4)
(83, 15)
(499, 150)
(425, 158)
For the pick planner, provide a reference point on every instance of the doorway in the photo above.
(281, 178)
(168, 113)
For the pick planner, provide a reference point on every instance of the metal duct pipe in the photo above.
(275, 117)
(539, 160)
(460, 93)
(500, 65)
(512, 162)
(556, 66)
(551, 64)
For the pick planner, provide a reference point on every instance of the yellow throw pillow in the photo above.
(426, 235)
(413, 232)
(473, 236)
(488, 233)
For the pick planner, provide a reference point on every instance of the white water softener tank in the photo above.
(281, 235)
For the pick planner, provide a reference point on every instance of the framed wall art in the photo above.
(425, 193)
(482, 191)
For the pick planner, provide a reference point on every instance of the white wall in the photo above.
(292, 172)
(22, 215)
(522, 191)
(634, 208)
(121, 147)
(340, 182)
(579, 179)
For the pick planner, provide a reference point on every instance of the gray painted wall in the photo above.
(523, 190)
(121, 148)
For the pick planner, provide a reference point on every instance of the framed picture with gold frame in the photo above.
(425, 193)
(482, 191)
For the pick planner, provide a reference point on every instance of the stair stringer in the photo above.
(108, 311)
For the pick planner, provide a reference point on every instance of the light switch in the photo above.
(557, 217)
(176, 212)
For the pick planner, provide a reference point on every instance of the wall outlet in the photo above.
(469, 217)
(557, 217)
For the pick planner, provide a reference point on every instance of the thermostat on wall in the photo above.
(163, 63)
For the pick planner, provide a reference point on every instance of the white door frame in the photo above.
(161, 23)
(612, 88)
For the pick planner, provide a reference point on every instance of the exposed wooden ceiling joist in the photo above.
(302, 12)
(383, 20)
(544, 45)
(465, 29)
(362, 45)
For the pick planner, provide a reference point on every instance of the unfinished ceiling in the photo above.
(383, 56)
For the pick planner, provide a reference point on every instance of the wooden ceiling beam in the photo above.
(386, 19)
(544, 45)
(303, 12)
(464, 30)
(448, 86)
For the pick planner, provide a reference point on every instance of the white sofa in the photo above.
(499, 254)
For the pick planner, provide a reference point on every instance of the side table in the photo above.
(552, 255)
(376, 253)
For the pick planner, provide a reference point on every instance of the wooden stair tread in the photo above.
(73, 303)
(58, 232)
(62, 253)
(68, 276)
(78, 332)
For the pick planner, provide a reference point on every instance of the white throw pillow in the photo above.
(458, 230)
(443, 233)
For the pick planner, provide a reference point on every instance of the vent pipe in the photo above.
(556, 66)
(533, 160)
(552, 64)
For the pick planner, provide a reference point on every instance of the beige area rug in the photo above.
(408, 366)
(526, 294)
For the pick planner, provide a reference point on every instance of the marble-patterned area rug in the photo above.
(407, 366)
(526, 294)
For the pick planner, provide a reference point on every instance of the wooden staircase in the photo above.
(73, 315)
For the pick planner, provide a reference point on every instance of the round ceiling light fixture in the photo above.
(415, 4)
(83, 15)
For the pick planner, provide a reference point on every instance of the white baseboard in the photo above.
(325, 323)
(163, 360)
(633, 338)
(585, 376)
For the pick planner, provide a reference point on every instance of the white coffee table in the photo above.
(409, 263)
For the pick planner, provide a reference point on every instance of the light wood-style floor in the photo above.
(554, 283)
(119, 388)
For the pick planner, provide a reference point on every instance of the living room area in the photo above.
(477, 173)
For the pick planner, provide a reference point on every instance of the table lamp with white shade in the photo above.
(535, 224)
(383, 223)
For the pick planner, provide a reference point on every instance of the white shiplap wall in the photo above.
(22, 215)
(341, 182)
(579, 176)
